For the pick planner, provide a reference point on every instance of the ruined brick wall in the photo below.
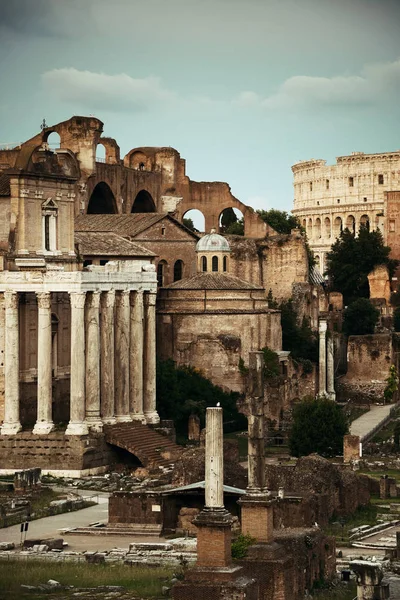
(127, 507)
(351, 448)
(368, 361)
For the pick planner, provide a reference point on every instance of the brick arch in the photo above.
(143, 203)
(112, 150)
(102, 200)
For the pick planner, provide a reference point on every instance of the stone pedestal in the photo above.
(257, 517)
(44, 423)
(149, 366)
(107, 357)
(93, 362)
(77, 424)
(11, 425)
(322, 357)
(136, 358)
(121, 367)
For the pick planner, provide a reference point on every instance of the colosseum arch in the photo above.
(364, 222)
(143, 203)
(327, 224)
(309, 228)
(337, 227)
(102, 201)
(351, 224)
(317, 228)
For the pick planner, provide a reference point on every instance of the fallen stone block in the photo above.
(7, 546)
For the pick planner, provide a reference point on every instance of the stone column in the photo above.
(11, 424)
(330, 368)
(322, 357)
(44, 423)
(122, 339)
(136, 358)
(214, 459)
(149, 366)
(107, 357)
(92, 390)
(77, 424)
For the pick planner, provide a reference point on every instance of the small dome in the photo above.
(212, 242)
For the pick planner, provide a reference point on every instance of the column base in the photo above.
(109, 420)
(77, 428)
(123, 418)
(95, 425)
(10, 428)
(43, 427)
(331, 395)
(152, 418)
(138, 417)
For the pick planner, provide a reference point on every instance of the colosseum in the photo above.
(354, 191)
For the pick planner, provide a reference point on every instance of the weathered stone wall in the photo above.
(393, 222)
(127, 507)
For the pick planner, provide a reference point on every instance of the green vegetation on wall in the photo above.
(360, 317)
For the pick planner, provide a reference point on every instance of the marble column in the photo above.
(77, 424)
(149, 366)
(136, 357)
(214, 461)
(11, 424)
(330, 370)
(92, 391)
(256, 442)
(122, 339)
(44, 423)
(107, 357)
(322, 357)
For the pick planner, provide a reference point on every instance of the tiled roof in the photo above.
(5, 185)
(107, 244)
(125, 225)
(212, 281)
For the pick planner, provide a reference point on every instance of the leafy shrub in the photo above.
(241, 545)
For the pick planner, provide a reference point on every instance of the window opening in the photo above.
(380, 179)
(178, 270)
(204, 263)
(215, 263)
(225, 264)
(351, 181)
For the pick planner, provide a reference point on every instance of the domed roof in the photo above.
(213, 242)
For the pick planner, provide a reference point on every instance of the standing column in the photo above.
(322, 357)
(11, 424)
(136, 357)
(122, 338)
(44, 423)
(214, 465)
(107, 357)
(92, 391)
(77, 424)
(330, 368)
(149, 367)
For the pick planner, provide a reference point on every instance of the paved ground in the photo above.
(364, 424)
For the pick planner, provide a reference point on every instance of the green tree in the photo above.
(352, 258)
(300, 340)
(360, 317)
(396, 319)
(279, 220)
(392, 384)
(228, 218)
(187, 222)
(236, 228)
(318, 426)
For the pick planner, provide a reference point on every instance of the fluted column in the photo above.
(330, 370)
(322, 357)
(11, 424)
(92, 391)
(149, 367)
(122, 339)
(44, 423)
(77, 424)
(107, 357)
(136, 357)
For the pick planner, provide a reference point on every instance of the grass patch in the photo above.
(343, 591)
(378, 474)
(340, 527)
(143, 582)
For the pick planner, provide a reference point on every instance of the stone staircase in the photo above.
(152, 448)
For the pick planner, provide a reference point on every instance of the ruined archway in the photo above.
(102, 201)
(53, 140)
(143, 203)
(231, 221)
(194, 219)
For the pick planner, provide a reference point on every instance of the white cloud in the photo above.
(377, 84)
(99, 91)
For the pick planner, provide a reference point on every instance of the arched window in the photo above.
(225, 263)
(317, 228)
(327, 227)
(215, 263)
(49, 225)
(204, 263)
(178, 270)
(161, 272)
(337, 226)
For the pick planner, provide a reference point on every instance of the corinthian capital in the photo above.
(77, 299)
(44, 300)
(11, 299)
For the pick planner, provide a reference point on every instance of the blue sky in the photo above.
(241, 88)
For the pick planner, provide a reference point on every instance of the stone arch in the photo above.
(337, 226)
(310, 228)
(317, 227)
(365, 222)
(143, 203)
(53, 140)
(304, 224)
(102, 201)
(138, 160)
(351, 224)
(231, 218)
(327, 224)
(111, 154)
(197, 218)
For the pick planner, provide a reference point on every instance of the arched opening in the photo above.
(178, 270)
(204, 264)
(327, 227)
(351, 224)
(143, 203)
(53, 140)
(317, 261)
(317, 228)
(337, 227)
(225, 264)
(100, 153)
(304, 224)
(231, 221)
(364, 222)
(194, 220)
(139, 161)
(309, 229)
(214, 264)
(102, 201)
(162, 272)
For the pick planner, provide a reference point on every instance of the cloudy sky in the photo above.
(242, 88)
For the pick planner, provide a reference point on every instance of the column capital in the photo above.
(150, 298)
(123, 297)
(108, 299)
(11, 299)
(77, 299)
(44, 300)
(323, 325)
(136, 297)
(94, 299)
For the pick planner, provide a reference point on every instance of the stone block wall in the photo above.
(351, 448)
